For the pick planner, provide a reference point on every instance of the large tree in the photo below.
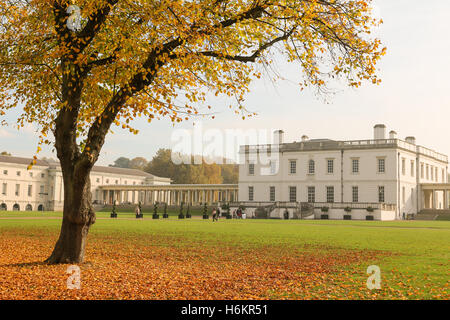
(158, 59)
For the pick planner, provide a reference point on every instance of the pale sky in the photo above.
(413, 98)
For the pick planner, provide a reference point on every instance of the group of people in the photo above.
(237, 214)
(216, 214)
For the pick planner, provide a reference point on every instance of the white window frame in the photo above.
(311, 166)
(330, 165)
(355, 165)
(330, 194)
(292, 193)
(251, 193)
(292, 166)
(311, 194)
(355, 194)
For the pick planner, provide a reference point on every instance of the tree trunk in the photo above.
(78, 216)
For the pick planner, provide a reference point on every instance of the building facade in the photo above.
(42, 188)
(362, 173)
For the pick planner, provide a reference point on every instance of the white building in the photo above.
(42, 188)
(393, 176)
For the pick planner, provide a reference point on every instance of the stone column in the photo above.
(445, 193)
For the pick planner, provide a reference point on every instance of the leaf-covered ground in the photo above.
(201, 260)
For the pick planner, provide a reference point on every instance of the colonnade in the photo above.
(170, 194)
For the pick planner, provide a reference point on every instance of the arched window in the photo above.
(28, 207)
(16, 207)
(3, 207)
(311, 167)
(40, 207)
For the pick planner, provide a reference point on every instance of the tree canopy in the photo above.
(161, 58)
(77, 75)
(204, 173)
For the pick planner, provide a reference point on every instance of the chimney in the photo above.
(411, 140)
(278, 136)
(305, 138)
(392, 134)
(379, 131)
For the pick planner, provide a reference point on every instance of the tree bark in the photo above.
(78, 216)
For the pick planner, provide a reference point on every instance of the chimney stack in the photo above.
(379, 131)
(305, 138)
(411, 140)
(278, 136)
(392, 134)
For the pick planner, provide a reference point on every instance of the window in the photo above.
(292, 194)
(292, 166)
(355, 165)
(98, 180)
(355, 194)
(403, 166)
(436, 174)
(30, 190)
(117, 181)
(428, 172)
(4, 188)
(381, 165)
(250, 193)
(381, 194)
(18, 173)
(421, 170)
(251, 168)
(412, 168)
(41, 190)
(5, 171)
(125, 182)
(432, 178)
(403, 195)
(31, 174)
(272, 194)
(107, 180)
(412, 196)
(330, 194)
(17, 189)
(311, 167)
(330, 166)
(42, 175)
(311, 194)
(443, 176)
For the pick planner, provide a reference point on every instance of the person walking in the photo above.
(214, 214)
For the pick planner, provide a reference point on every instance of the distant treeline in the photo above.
(162, 165)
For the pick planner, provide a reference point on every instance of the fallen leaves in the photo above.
(131, 266)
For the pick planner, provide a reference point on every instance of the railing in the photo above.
(331, 205)
(356, 205)
(356, 144)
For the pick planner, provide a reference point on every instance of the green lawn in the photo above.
(413, 255)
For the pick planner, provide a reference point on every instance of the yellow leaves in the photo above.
(182, 76)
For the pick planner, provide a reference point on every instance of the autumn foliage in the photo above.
(159, 59)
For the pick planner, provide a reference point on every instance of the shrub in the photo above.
(370, 209)
(347, 209)
(324, 209)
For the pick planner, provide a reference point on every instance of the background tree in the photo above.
(5, 153)
(138, 163)
(121, 162)
(158, 59)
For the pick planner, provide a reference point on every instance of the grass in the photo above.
(294, 259)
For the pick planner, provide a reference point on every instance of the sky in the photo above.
(413, 98)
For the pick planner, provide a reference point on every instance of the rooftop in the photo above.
(327, 144)
(55, 164)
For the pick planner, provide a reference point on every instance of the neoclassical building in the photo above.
(392, 175)
(42, 189)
